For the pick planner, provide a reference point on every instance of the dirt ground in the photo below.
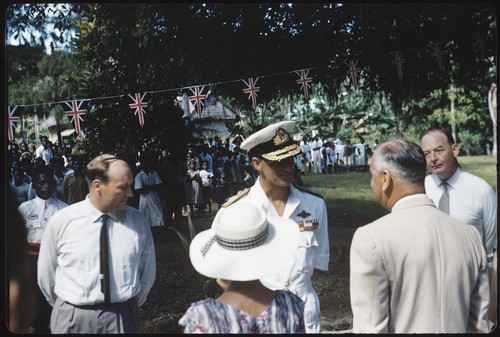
(177, 284)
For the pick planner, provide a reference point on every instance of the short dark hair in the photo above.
(42, 169)
(449, 136)
(405, 158)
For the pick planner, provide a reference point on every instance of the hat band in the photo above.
(243, 244)
(283, 153)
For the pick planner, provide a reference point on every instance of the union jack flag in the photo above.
(304, 81)
(478, 43)
(197, 98)
(353, 73)
(12, 119)
(398, 62)
(75, 110)
(437, 53)
(251, 90)
(138, 104)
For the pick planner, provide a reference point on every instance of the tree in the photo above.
(138, 47)
(35, 79)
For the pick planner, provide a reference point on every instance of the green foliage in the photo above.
(470, 143)
(210, 287)
(126, 49)
(186, 241)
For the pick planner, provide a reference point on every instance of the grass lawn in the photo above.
(350, 200)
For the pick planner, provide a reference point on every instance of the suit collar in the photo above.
(410, 201)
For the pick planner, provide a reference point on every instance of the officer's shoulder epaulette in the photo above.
(306, 190)
(236, 197)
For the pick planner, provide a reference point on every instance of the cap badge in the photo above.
(281, 137)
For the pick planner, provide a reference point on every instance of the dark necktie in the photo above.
(444, 202)
(104, 259)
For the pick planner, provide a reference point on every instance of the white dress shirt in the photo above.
(45, 153)
(473, 201)
(68, 264)
(36, 213)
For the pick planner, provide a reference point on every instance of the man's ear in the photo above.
(96, 184)
(257, 163)
(455, 149)
(387, 181)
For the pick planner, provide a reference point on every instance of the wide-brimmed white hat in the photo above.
(243, 244)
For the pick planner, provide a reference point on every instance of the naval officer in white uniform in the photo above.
(271, 152)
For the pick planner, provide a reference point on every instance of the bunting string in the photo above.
(76, 109)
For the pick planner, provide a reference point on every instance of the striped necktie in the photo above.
(444, 202)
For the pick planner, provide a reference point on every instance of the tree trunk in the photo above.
(452, 118)
(492, 105)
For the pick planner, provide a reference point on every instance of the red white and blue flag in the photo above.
(197, 98)
(353, 73)
(398, 62)
(252, 90)
(12, 119)
(75, 110)
(304, 81)
(138, 104)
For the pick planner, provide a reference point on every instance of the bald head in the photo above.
(110, 182)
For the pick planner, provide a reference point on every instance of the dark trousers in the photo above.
(41, 316)
(175, 199)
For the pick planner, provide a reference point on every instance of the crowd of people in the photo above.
(429, 266)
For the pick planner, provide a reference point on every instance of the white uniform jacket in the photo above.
(313, 251)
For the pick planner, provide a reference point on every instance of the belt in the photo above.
(102, 305)
(33, 248)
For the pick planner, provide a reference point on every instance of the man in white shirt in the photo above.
(44, 151)
(305, 147)
(36, 214)
(316, 146)
(471, 199)
(89, 291)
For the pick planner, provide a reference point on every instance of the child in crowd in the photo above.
(206, 186)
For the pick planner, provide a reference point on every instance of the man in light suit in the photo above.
(415, 270)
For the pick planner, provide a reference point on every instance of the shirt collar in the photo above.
(96, 214)
(452, 181)
(43, 202)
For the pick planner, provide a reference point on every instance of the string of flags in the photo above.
(76, 109)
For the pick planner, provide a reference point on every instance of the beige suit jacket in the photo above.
(418, 270)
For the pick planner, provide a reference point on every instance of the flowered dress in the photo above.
(285, 314)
